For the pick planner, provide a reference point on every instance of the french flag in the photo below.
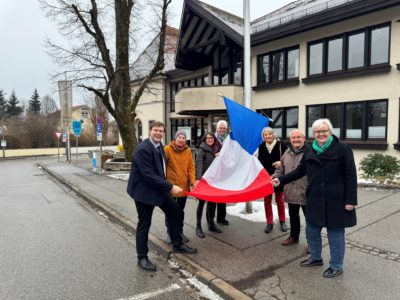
(236, 175)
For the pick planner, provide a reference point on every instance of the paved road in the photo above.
(53, 246)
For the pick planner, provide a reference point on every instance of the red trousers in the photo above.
(279, 203)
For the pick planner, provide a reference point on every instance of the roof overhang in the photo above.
(200, 33)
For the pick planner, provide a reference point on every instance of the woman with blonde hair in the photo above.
(270, 152)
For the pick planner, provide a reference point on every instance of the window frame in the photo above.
(343, 126)
(346, 71)
(270, 54)
(268, 112)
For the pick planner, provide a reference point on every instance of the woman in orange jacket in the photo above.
(180, 171)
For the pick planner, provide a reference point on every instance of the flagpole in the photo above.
(247, 68)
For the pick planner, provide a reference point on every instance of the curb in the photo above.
(208, 278)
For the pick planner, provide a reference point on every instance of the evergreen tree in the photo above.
(12, 107)
(34, 103)
(3, 103)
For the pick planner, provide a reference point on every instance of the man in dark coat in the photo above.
(148, 187)
(331, 194)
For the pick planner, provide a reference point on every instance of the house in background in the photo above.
(338, 59)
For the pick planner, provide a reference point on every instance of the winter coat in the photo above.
(147, 183)
(267, 159)
(204, 158)
(332, 184)
(295, 192)
(180, 167)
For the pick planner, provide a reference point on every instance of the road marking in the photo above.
(148, 295)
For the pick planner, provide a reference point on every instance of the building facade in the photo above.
(338, 59)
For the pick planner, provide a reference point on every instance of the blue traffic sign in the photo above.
(99, 128)
(77, 127)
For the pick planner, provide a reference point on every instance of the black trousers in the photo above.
(145, 213)
(221, 211)
(181, 204)
(210, 212)
(294, 214)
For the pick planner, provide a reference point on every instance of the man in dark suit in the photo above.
(148, 187)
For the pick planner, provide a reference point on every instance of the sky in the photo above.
(24, 63)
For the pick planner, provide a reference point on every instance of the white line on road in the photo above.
(148, 295)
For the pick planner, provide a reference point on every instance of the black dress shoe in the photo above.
(184, 238)
(146, 264)
(311, 262)
(223, 222)
(268, 228)
(282, 226)
(200, 233)
(184, 249)
(330, 273)
(214, 228)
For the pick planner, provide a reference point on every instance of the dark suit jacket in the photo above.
(147, 183)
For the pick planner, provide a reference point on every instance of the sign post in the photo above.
(3, 145)
(77, 127)
(99, 133)
(58, 134)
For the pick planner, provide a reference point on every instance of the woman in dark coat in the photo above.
(331, 195)
(205, 155)
(270, 152)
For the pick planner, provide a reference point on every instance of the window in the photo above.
(335, 54)
(351, 52)
(356, 50)
(316, 59)
(363, 120)
(278, 66)
(284, 120)
(380, 45)
(376, 119)
(293, 63)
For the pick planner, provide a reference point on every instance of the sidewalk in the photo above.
(243, 262)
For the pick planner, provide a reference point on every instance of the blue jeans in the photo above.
(336, 244)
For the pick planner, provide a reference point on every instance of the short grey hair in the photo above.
(269, 130)
(299, 130)
(223, 123)
(318, 123)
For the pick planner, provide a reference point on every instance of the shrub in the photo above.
(380, 167)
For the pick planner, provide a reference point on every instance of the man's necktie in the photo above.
(161, 157)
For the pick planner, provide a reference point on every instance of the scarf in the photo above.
(321, 149)
(178, 148)
(270, 146)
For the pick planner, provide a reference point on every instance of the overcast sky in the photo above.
(24, 64)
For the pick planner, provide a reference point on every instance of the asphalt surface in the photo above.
(53, 245)
(243, 262)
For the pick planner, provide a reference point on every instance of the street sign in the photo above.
(64, 138)
(3, 143)
(77, 127)
(99, 128)
(58, 134)
(99, 136)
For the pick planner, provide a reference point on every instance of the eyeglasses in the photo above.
(318, 132)
(209, 138)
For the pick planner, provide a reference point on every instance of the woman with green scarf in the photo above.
(331, 195)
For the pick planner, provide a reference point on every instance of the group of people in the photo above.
(319, 179)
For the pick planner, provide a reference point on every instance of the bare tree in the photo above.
(96, 67)
(48, 105)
